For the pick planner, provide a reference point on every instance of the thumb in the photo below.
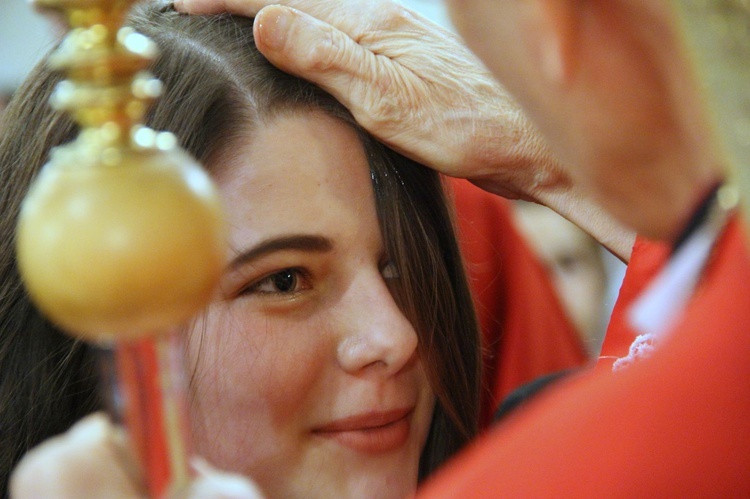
(215, 484)
(316, 51)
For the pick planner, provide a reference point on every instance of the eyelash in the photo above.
(300, 277)
(388, 270)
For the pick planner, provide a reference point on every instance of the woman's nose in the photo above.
(375, 335)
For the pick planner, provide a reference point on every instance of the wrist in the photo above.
(658, 199)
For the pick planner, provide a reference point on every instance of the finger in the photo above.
(211, 483)
(316, 51)
(84, 462)
(243, 8)
(349, 16)
(247, 8)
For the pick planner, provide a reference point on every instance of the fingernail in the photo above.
(213, 483)
(200, 466)
(273, 26)
(91, 429)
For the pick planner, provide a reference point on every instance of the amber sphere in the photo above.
(124, 249)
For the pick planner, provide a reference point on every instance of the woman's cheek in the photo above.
(251, 370)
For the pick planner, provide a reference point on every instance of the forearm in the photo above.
(538, 176)
(594, 220)
(567, 201)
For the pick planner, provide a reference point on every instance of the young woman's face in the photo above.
(306, 373)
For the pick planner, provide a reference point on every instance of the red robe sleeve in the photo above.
(525, 330)
(671, 425)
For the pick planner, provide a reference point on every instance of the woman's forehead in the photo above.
(301, 171)
(300, 148)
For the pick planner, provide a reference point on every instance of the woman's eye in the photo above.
(286, 281)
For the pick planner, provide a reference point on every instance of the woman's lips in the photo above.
(371, 433)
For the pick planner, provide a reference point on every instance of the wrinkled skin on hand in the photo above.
(608, 83)
(409, 82)
(416, 87)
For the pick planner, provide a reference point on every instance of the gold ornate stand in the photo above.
(120, 238)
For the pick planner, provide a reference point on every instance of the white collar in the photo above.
(654, 313)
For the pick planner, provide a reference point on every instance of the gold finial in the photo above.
(120, 238)
(121, 234)
(104, 63)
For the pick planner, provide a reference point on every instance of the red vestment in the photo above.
(675, 424)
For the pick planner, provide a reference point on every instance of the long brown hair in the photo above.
(217, 84)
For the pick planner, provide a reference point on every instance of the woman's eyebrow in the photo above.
(302, 242)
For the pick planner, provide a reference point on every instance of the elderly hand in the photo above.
(416, 87)
(93, 460)
(409, 82)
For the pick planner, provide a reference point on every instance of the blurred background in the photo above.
(586, 276)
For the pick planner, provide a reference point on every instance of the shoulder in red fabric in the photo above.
(672, 425)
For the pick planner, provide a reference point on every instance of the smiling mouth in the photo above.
(371, 433)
